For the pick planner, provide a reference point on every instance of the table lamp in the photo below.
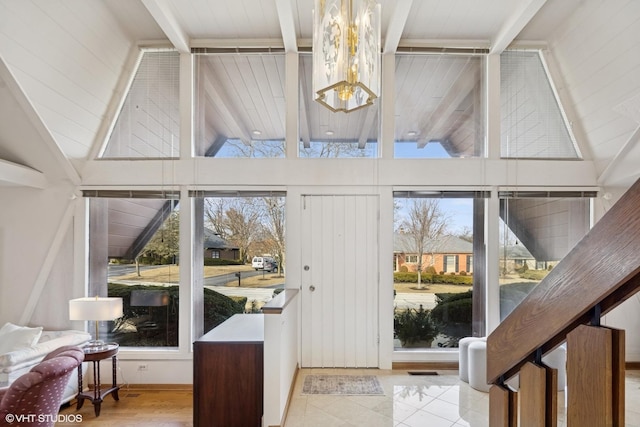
(96, 309)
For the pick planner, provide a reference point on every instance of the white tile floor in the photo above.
(415, 401)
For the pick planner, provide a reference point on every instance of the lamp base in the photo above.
(95, 345)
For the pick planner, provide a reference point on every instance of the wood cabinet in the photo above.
(228, 373)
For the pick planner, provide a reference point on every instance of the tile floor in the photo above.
(415, 401)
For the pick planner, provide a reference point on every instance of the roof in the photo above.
(212, 240)
(446, 245)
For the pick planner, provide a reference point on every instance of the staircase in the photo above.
(601, 272)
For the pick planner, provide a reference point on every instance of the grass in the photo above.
(429, 288)
(171, 274)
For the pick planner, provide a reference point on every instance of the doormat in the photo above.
(342, 384)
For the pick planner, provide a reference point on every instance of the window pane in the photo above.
(439, 106)
(535, 234)
(244, 254)
(324, 134)
(148, 125)
(140, 240)
(239, 105)
(432, 239)
(532, 125)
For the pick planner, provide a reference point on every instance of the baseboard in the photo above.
(414, 366)
(290, 396)
(177, 387)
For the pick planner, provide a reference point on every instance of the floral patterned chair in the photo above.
(33, 400)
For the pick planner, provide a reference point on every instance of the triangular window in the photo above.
(532, 121)
(148, 124)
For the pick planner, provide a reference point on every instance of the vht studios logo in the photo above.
(42, 418)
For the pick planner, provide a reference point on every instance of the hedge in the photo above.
(220, 261)
(433, 278)
(217, 308)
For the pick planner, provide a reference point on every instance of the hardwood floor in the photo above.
(136, 407)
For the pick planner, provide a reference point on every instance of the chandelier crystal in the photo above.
(346, 53)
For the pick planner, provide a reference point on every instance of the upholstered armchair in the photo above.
(34, 398)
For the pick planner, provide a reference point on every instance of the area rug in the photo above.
(342, 384)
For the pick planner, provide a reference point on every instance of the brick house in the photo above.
(449, 254)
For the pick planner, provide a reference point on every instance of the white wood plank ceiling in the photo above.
(72, 61)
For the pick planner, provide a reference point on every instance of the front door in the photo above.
(339, 281)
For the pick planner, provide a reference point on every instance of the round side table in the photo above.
(95, 354)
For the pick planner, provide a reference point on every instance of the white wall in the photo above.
(36, 255)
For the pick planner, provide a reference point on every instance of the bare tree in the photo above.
(242, 222)
(274, 227)
(332, 149)
(466, 234)
(425, 226)
(214, 212)
(261, 149)
(237, 220)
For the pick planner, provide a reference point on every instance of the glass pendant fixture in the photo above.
(346, 53)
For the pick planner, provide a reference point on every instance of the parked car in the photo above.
(263, 263)
(270, 266)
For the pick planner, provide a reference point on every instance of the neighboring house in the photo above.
(449, 254)
(517, 256)
(216, 247)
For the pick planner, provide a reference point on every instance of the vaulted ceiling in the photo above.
(66, 64)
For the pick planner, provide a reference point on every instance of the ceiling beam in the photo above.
(396, 25)
(32, 115)
(287, 25)
(305, 131)
(440, 120)
(13, 174)
(613, 169)
(223, 103)
(515, 23)
(213, 149)
(372, 110)
(169, 24)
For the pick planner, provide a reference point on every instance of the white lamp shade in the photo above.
(95, 308)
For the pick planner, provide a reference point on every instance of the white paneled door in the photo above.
(339, 281)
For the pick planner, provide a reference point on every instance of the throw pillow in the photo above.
(14, 337)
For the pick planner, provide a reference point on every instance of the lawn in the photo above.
(430, 288)
(171, 274)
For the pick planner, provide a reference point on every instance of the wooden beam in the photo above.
(225, 106)
(287, 26)
(440, 120)
(515, 23)
(169, 24)
(13, 174)
(396, 25)
(603, 268)
(366, 126)
(33, 117)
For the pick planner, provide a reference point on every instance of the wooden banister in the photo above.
(602, 271)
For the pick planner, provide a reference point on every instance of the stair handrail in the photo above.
(601, 272)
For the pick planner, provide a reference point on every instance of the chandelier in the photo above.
(346, 53)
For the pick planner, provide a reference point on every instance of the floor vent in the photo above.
(423, 373)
